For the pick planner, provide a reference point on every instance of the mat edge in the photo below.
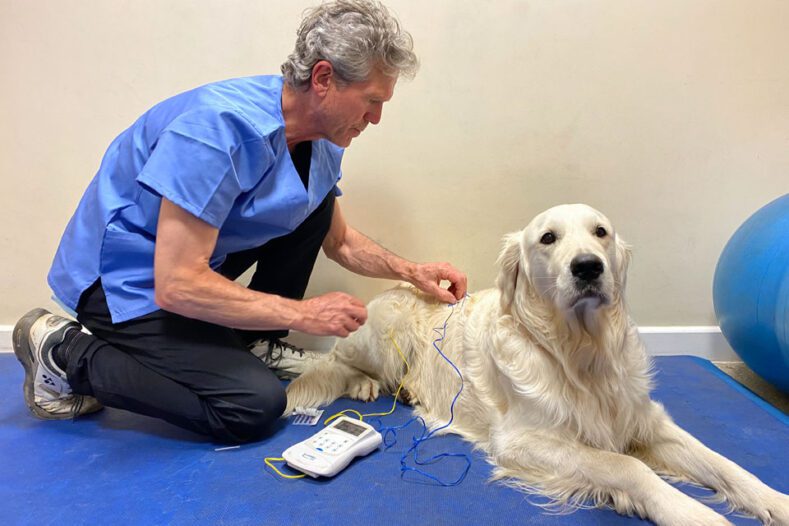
(759, 401)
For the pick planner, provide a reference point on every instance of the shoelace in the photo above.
(78, 403)
(276, 348)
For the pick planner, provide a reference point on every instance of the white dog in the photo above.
(557, 381)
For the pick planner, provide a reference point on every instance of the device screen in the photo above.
(350, 427)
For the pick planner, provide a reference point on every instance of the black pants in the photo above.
(191, 373)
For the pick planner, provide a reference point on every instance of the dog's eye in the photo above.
(548, 238)
(600, 232)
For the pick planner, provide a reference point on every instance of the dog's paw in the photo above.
(769, 507)
(777, 512)
(407, 397)
(689, 512)
(366, 389)
(706, 518)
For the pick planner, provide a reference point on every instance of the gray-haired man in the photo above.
(200, 188)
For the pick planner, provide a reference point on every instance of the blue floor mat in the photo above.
(119, 468)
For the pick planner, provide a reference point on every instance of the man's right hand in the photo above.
(331, 314)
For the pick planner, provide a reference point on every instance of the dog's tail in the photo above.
(321, 384)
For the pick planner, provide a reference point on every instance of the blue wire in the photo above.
(424, 436)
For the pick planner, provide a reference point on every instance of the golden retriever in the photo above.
(557, 381)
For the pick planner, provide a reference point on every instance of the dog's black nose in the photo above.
(586, 267)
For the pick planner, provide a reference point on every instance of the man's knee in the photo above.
(249, 417)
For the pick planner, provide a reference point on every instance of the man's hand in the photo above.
(427, 277)
(332, 314)
(354, 251)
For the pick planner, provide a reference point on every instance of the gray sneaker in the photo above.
(285, 360)
(47, 391)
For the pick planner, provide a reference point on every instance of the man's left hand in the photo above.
(427, 277)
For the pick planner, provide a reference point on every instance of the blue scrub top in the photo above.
(219, 152)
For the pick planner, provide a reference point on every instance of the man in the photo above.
(200, 188)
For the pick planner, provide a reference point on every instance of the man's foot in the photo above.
(284, 359)
(47, 391)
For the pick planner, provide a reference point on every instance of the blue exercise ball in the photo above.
(751, 292)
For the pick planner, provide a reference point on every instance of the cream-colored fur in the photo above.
(557, 381)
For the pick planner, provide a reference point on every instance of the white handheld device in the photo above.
(331, 449)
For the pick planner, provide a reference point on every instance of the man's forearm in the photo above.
(354, 251)
(185, 284)
(208, 296)
(361, 255)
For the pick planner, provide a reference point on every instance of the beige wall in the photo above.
(672, 117)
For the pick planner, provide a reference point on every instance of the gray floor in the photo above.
(740, 372)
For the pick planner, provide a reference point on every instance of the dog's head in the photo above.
(569, 259)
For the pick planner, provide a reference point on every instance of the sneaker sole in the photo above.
(24, 354)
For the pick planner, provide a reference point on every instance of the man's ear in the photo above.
(322, 77)
(509, 263)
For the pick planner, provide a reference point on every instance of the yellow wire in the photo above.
(397, 393)
(341, 413)
(361, 416)
(400, 387)
(278, 472)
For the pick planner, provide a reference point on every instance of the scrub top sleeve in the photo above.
(199, 164)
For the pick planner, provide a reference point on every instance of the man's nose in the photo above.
(374, 116)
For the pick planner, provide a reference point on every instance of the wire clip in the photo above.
(305, 416)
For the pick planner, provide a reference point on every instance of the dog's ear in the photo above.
(509, 263)
(623, 256)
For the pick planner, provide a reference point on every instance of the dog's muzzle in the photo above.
(587, 269)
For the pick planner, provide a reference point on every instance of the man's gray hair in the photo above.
(354, 36)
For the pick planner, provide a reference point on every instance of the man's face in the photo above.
(349, 108)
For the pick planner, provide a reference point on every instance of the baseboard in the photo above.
(5, 338)
(705, 342)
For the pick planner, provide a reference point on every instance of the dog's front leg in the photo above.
(676, 452)
(570, 472)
